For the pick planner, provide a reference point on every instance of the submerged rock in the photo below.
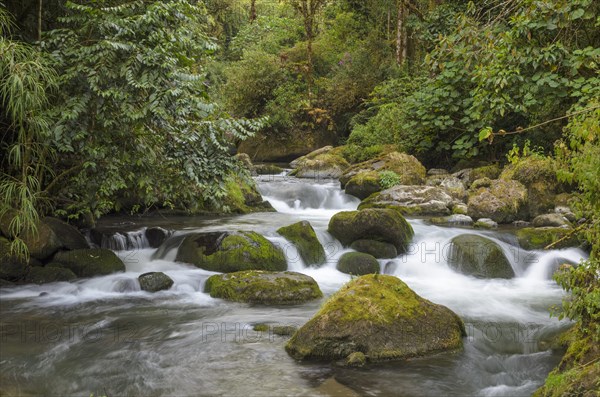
(500, 200)
(90, 262)
(228, 252)
(155, 281)
(386, 225)
(303, 236)
(358, 264)
(378, 249)
(268, 288)
(479, 256)
(412, 200)
(380, 317)
(531, 238)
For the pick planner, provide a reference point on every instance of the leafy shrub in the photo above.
(388, 179)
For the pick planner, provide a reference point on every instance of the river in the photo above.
(105, 336)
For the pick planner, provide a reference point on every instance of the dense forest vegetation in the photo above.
(126, 105)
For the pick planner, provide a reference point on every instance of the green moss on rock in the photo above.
(303, 236)
(268, 288)
(358, 264)
(90, 262)
(375, 248)
(321, 166)
(155, 281)
(363, 184)
(242, 196)
(231, 252)
(381, 317)
(386, 225)
(540, 237)
(503, 201)
(479, 256)
(49, 274)
(408, 168)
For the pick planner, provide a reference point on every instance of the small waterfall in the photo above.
(134, 240)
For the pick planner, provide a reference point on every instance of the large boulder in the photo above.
(11, 268)
(538, 175)
(324, 163)
(412, 200)
(378, 249)
(408, 168)
(70, 237)
(268, 288)
(386, 225)
(90, 262)
(303, 236)
(363, 184)
(155, 281)
(49, 274)
(267, 169)
(503, 201)
(381, 317)
(42, 243)
(478, 256)
(228, 252)
(242, 196)
(531, 238)
(358, 264)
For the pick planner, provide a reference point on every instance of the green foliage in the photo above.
(388, 179)
(516, 154)
(26, 78)
(135, 122)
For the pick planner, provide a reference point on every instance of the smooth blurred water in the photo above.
(106, 336)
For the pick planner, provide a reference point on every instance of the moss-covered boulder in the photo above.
(227, 252)
(49, 274)
(244, 160)
(155, 281)
(260, 287)
(303, 236)
(538, 175)
(358, 264)
(381, 317)
(363, 184)
(412, 200)
(70, 237)
(11, 268)
(452, 220)
(324, 163)
(378, 249)
(491, 171)
(43, 243)
(408, 168)
(242, 196)
(503, 201)
(531, 238)
(267, 169)
(550, 220)
(386, 225)
(478, 256)
(90, 262)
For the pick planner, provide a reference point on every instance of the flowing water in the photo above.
(105, 336)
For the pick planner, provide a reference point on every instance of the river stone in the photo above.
(437, 171)
(409, 169)
(11, 268)
(42, 244)
(358, 264)
(566, 212)
(267, 288)
(381, 317)
(298, 162)
(90, 262)
(531, 238)
(363, 184)
(478, 256)
(486, 223)
(155, 281)
(386, 225)
(320, 164)
(70, 237)
(267, 169)
(503, 201)
(303, 236)
(378, 249)
(228, 252)
(156, 236)
(412, 200)
(452, 220)
(550, 220)
(49, 274)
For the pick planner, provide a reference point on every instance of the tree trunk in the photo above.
(253, 11)
(39, 29)
(400, 34)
